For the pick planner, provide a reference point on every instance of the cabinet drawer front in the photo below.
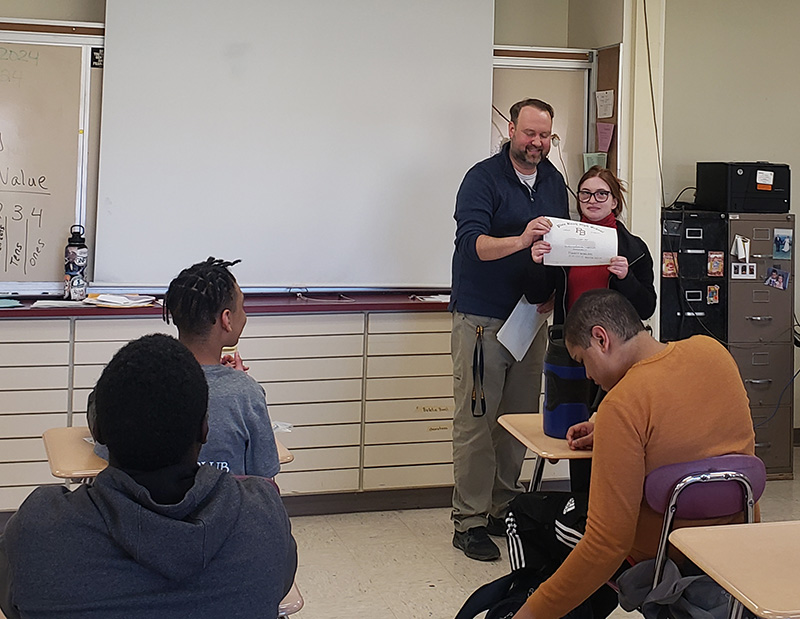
(11, 497)
(760, 229)
(22, 450)
(120, 329)
(305, 369)
(411, 322)
(34, 330)
(400, 410)
(15, 402)
(313, 391)
(317, 482)
(34, 353)
(759, 313)
(408, 344)
(316, 324)
(13, 379)
(96, 353)
(410, 365)
(25, 474)
(85, 376)
(252, 349)
(400, 455)
(774, 438)
(79, 398)
(765, 370)
(410, 387)
(321, 436)
(408, 432)
(316, 413)
(408, 476)
(30, 426)
(322, 459)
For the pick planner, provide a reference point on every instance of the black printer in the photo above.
(742, 187)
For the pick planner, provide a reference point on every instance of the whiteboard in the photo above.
(321, 142)
(40, 114)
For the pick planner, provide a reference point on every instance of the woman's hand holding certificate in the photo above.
(575, 243)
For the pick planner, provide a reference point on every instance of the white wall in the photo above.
(540, 23)
(730, 89)
(593, 24)
(57, 10)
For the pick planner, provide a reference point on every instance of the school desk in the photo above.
(528, 429)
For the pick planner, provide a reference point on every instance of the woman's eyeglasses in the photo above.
(601, 195)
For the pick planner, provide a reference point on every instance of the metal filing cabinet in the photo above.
(733, 304)
(760, 335)
(694, 292)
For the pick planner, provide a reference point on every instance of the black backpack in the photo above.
(502, 597)
(535, 554)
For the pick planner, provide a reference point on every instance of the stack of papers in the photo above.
(119, 300)
(50, 303)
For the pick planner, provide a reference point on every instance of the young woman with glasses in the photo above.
(600, 201)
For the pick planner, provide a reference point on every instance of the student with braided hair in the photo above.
(207, 305)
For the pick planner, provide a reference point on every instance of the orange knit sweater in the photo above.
(682, 404)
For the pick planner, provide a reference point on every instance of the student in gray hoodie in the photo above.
(156, 535)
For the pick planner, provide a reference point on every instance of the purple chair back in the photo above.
(700, 501)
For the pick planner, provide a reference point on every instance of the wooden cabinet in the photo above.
(369, 394)
(34, 394)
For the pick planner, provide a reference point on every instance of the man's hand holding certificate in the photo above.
(575, 243)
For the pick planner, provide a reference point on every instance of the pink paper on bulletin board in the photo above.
(605, 131)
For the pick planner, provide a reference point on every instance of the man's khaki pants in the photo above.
(487, 460)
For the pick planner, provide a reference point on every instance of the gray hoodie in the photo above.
(108, 550)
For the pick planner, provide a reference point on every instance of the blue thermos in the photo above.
(568, 394)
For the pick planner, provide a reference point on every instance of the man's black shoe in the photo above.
(476, 544)
(496, 526)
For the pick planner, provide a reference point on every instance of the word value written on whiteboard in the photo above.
(21, 245)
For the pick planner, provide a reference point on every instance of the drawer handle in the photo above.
(693, 251)
(758, 318)
(761, 255)
(758, 381)
(766, 445)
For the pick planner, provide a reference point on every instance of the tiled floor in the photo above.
(402, 565)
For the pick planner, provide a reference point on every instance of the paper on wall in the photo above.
(575, 243)
(521, 327)
(605, 103)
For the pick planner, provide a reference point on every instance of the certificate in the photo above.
(575, 243)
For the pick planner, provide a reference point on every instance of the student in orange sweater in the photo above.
(658, 411)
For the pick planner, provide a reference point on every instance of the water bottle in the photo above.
(75, 258)
(567, 391)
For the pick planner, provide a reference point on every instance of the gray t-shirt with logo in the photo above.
(240, 438)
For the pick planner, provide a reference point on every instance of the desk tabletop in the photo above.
(70, 455)
(759, 563)
(528, 429)
(284, 455)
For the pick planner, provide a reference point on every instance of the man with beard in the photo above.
(501, 209)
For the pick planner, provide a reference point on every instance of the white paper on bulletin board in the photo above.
(605, 103)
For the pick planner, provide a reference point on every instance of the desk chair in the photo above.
(711, 488)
